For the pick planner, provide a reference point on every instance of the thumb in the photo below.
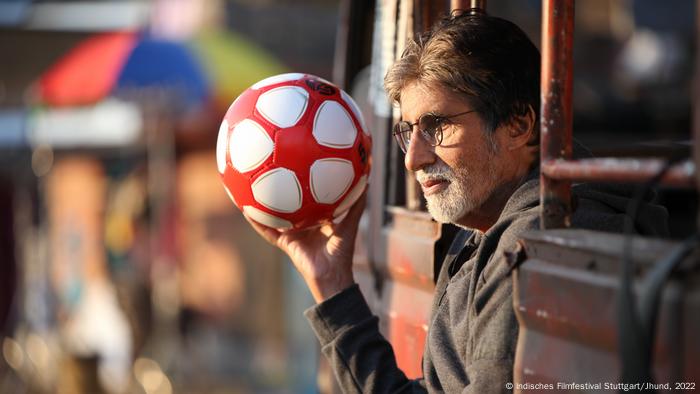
(351, 221)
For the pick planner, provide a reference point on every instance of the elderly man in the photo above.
(469, 98)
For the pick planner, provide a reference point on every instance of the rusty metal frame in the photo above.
(467, 5)
(619, 170)
(556, 115)
(557, 168)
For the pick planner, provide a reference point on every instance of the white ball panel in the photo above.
(330, 179)
(283, 106)
(333, 126)
(249, 146)
(278, 190)
(340, 217)
(221, 142)
(266, 219)
(277, 79)
(350, 199)
(355, 109)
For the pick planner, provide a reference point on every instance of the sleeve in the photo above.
(362, 359)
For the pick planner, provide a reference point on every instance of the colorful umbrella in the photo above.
(203, 75)
(232, 63)
(111, 63)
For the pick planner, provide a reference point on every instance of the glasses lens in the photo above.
(430, 125)
(402, 133)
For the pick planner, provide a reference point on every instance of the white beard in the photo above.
(459, 198)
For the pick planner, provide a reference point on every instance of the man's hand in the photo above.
(323, 255)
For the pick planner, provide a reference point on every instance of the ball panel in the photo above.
(235, 103)
(283, 106)
(249, 146)
(266, 219)
(356, 110)
(277, 79)
(330, 179)
(242, 106)
(228, 193)
(221, 142)
(239, 185)
(296, 150)
(278, 190)
(333, 126)
(340, 217)
(350, 199)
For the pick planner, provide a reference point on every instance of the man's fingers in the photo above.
(348, 224)
(359, 205)
(352, 219)
(327, 230)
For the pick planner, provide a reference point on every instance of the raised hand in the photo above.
(323, 255)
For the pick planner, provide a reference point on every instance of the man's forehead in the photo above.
(419, 98)
(418, 87)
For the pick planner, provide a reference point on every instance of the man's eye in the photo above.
(436, 125)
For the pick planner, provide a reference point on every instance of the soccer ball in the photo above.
(293, 152)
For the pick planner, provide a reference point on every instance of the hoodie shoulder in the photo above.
(605, 208)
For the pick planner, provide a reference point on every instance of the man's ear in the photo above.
(521, 129)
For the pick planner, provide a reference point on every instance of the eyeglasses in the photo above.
(430, 127)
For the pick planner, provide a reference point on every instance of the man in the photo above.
(469, 97)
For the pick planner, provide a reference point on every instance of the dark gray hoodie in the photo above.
(473, 331)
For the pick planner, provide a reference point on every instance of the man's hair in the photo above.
(489, 60)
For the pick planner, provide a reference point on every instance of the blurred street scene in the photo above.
(124, 266)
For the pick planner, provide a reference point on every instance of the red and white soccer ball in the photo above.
(293, 151)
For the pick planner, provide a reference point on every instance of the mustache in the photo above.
(435, 171)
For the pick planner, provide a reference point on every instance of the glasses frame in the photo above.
(403, 128)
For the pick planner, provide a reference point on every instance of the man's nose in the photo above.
(419, 154)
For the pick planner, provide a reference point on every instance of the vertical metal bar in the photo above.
(425, 14)
(468, 5)
(556, 108)
(404, 33)
(342, 45)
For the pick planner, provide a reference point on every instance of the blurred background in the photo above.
(124, 267)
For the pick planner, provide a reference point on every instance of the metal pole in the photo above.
(556, 108)
(472, 5)
(620, 170)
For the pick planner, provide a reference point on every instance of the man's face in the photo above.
(459, 176)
